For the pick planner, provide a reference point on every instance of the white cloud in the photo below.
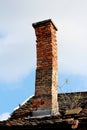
(17, 48)
(17, 53)
(4, 116)
(17, 37)
(73, 48)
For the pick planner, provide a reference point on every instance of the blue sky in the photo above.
(18, 47)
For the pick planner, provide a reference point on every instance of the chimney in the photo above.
(46, 84)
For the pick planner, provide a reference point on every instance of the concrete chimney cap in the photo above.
(43, 22)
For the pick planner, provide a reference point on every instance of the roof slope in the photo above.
(72, 108)
(67, 101)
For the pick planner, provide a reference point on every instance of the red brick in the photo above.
(46, 84)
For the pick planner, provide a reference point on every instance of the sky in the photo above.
(18, 47)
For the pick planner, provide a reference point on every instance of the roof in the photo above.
(72, 107)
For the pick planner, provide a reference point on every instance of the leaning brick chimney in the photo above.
(46, 85)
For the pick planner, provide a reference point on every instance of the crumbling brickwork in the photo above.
(46, 85)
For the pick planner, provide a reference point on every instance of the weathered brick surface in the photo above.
(47, 68)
